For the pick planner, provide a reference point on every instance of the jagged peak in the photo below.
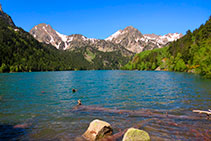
(132, 30)
(42, 25)
(129, 28)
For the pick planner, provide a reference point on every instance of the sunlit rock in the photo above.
(133, 134)
(97, 130)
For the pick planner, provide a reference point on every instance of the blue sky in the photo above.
(101, 18)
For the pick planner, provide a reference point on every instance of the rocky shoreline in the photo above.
(100, 130)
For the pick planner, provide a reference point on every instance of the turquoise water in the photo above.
(43, 101)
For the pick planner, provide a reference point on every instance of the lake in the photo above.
(42, 103)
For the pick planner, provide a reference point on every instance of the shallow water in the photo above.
(43, 101)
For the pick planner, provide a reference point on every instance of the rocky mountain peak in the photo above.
(128, 38)
(130, 29)
(45, 33)
(132, 32)
(43, 26)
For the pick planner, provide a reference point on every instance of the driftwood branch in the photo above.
(202, 112)
(141, 112)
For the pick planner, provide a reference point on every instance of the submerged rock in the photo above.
(133, 134)
(97, 130)
(74, 90)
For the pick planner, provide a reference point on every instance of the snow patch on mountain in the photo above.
(115, 35)
(63, 37)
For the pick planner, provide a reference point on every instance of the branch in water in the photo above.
(202, 112)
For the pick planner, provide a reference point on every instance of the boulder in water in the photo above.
(97, 130)
(133, 134)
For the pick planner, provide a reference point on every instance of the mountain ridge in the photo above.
(45, 33)
(129, 39)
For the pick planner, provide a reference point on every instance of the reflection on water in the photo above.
(43, 99)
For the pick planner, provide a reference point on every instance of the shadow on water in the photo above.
(11, 132)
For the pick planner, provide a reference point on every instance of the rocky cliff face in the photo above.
(128, 40)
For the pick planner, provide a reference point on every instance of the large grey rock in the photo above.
(97, 130)
(133, 134)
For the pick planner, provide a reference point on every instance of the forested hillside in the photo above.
(191, 53)
(20, 52)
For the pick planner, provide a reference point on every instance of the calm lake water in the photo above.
(42, 103)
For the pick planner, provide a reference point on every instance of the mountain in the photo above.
(45, 33)
(191, 53)
(129, 38)
(20, 52)
(127, 41)
(135, 41)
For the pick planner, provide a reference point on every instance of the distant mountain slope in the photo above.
(19, 52)
(191, 53)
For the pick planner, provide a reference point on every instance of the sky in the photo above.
(101, 18)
